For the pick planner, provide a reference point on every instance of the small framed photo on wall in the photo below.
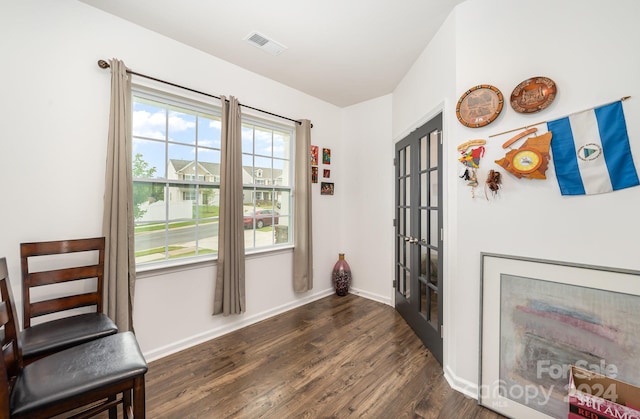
(326, 156)
(326, 173)
(314, 174)
(326, 188)
(314, 155)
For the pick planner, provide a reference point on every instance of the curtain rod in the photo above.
(103, 64)
(622, 99)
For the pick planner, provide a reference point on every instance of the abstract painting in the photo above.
(540, 317)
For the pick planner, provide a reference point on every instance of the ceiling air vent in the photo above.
(267, 45)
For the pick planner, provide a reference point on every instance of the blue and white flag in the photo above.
(591, 151)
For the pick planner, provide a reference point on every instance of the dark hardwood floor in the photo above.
(333, 358)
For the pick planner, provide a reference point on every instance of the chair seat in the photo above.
(96, 364)
(64, 333)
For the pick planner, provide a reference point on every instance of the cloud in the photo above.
(153, 124)
(147, 124)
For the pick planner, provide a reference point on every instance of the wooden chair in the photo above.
(48, 337)
(86, 379)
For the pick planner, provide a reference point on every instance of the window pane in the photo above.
(281, 145)
(150, 213)
(208, 165)
(182, 127)
(282, 200)
(263, 142)
(149, 202)
(182, 165)
(208, 211)
(281, 173)
(209, 132)
(247, 139)
(149, 121)
(148, 159)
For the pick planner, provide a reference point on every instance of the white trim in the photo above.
(371, 296)
(228, 328)
(463, 386)
(439, 108)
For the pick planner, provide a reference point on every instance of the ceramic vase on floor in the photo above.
(341, 276)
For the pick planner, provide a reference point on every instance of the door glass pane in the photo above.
(424, 261)
(401, 189)
(424, 226)
(433, 149)
(407, 221)
(432, 267)
(407, 283)
(433, 309)
(433, 188)
(407, 191)
(407, 253)
(423, 153)
(424, 187)
(424, 306)
(402, 162)
(407, 160)
(434, 228)
(403, 281)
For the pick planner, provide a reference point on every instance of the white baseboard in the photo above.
(230, 327)
(370, 296)
(465, 387)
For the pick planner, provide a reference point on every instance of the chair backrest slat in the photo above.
(37, 279)
(42, 278)
(45, 307)
(10, 344)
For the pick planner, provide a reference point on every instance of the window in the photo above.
(176, 179)
(266, 158)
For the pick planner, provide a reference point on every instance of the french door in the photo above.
(418, 221)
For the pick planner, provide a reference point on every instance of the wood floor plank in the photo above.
(336, 357)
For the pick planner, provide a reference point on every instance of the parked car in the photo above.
(263, 217)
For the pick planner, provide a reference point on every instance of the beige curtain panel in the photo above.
(229, 295)
(303, 248)
(117, 222)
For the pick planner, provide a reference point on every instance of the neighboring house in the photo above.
(190, 170)
(182, 198)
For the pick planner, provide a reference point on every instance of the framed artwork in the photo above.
(326, 156)
(326, 173)
(314, 155)
(533, 95)
(479, 106)
(326, 188)
(314, 174)
(539, 317)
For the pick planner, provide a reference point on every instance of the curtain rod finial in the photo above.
(103, 64)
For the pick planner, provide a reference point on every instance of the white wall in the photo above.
(589, 49)
(368, 183)
(54, 112)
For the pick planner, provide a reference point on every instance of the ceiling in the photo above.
(341, 51)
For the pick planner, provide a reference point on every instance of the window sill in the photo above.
(151, 270)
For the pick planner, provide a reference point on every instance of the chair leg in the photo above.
(113, 411)
(138, 398)
(126, 404)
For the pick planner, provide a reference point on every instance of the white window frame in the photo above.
(213, 180)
